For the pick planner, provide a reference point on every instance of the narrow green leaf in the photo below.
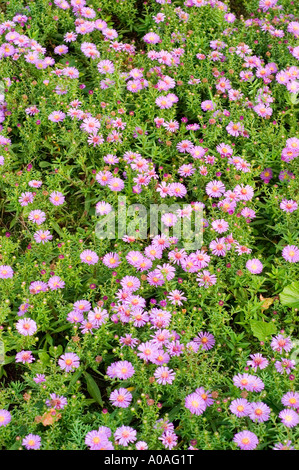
(93, 389)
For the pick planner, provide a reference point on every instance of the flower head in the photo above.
(69, 362)
(246, 440)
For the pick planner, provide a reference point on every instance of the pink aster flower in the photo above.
(35, 184)
(103, 208)
(26, 327)
(96, 440)
(242, 381)
(89, 257)
(259, 412)
(6, 272)
(139, 317)
(289, 154)
(257, 361)
(127, 340)
(62, 49)
(287, 445)
(56, 401)
(171, 126)
(291, 253)
(153, 252)
(175, 348)
(254, 266)
(288, 205)
(185, 146)
(205, 339)
(248, 213)
(205, 395)
(38, 286)
(164, 102)
(111, 260)
(284, 366)
(98, 316)
(57, 198)
(223, 84)
(244, 193)
(23, 309)
(167, 271)
(177, 190)
(32, 442)
(169, 439)
(206, 279)
(70, 37)
(82, 305)
(218, 247)
(87, 326)
(220, 225)
(176, 297)
(121, 398)
(197, 152)
(141, 445)
(42, 236)
(124, 370)
(246, 440)
(195, 404)
(215, 188)
(190, 264)
(95, 139)
(186, 170)
(37, 217)
(116, 184)
(55, 282)
(75, 317)
(26, 198)
(69, 362)
(289, 418)
(56, 116)
(71, 72)
(148, 351)
(255, 384)
(164, 375)
(235, 129)
(280, 343)
(39, 378)
(25, 357)
(207, 105)
(163, 189)
(240, 407)
(5, 417)
(105, 66)
(291, 399)
(263, 111)
(155, 278)
(112, 370)
(134, 86)
(151, 38)
(124, 435)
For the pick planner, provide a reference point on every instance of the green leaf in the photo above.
(44, 357)
(93, 389)
(290, 295)
(61, 328)
(13, 222)
(57, 228)
(44, 164)
(262, 330)
(74, 378)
